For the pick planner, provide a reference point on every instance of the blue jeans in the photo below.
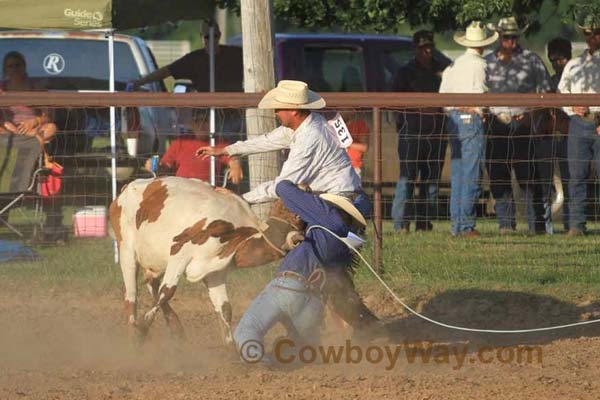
(583, 147)
(287, 301)
(467, 143)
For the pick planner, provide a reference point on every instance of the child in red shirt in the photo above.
(181, 155)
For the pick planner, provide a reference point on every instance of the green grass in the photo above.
(415, 265)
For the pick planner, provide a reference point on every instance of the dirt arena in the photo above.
(70, 345)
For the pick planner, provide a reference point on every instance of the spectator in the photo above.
(314, 159)
(181, 155)
(195, 66)
(512, 142)
(559, 53)
(582, 75)
(421, 147)
(465, 127)
(26, 130)
(360, 139)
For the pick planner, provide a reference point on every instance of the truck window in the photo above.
(392, 60)
(73, 64)
(334, 69)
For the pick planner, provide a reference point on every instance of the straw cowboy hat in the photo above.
(590, 22)
(509, 26)
(475, 36)
(291, 95)
(345, 205)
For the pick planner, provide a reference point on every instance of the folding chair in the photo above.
(19, 156)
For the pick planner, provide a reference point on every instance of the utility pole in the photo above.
(259, 76)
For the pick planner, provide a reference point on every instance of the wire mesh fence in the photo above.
(424, 155)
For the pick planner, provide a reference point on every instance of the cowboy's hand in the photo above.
(223, 190)
(581, 111)
(236, 174)
(207, 151)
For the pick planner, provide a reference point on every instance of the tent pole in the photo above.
(211, 60)
(113, 135)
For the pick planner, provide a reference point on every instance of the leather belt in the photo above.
(293, 275)
(314, 282)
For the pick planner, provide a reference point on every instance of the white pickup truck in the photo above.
(78, 61)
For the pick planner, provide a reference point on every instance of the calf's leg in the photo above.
(129, 270)
(217, 291)
(170, 315)
(174, 270)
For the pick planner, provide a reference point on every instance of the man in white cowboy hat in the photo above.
(514, 140)
(294, 296)
(315, 157)
(465, 127)
(581, 75)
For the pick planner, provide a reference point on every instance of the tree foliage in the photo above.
(391, 15)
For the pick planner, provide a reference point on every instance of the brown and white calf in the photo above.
(173, 226)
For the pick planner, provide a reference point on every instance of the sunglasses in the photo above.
(510, 37)
(556, 58)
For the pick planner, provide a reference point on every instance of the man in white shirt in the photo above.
(583, 144)
(315, 158)
(465, 127)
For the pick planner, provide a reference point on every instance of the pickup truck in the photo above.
(78, 61)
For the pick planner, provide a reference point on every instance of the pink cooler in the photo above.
(90, 222)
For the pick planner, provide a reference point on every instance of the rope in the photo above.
(455, 327)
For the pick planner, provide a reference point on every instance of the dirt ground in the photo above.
(66, 345)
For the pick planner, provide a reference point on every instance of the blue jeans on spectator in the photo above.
(284, 300)
(583, 147)
(421, 151)
(467, 144)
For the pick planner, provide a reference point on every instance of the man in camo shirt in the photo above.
(514, 142)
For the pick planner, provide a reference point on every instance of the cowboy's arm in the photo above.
(544, 84)
(277, 139)
(300, 167)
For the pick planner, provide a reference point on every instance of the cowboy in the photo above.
(421, 146)
(315, 158)
(294, 296)
(465, 128)
(583, 142)
(512, 142)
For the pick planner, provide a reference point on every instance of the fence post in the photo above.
(377, 209)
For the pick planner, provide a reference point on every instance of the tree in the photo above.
(391, 15)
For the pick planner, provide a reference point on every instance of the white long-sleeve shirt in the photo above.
(581, 75)
(314, 159)
(465, 75)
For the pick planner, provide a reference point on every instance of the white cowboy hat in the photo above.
(509, 26)
(475, 36)
(292, 95)
(346, 205)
